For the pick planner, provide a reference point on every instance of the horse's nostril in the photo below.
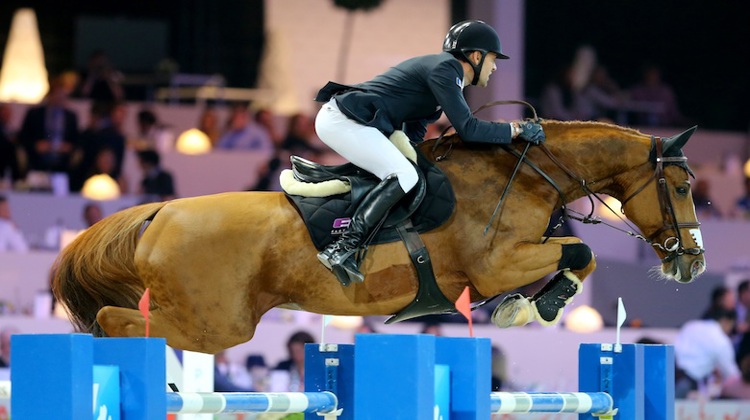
(697, 268)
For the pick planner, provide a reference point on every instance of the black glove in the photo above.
(532, 132)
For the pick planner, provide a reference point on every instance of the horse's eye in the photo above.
(682, 190)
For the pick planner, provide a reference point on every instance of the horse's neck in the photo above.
(595, 153)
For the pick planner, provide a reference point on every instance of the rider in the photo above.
(357, 120)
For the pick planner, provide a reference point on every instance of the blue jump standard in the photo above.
(409, 377)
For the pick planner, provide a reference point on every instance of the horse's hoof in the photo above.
(514, 311)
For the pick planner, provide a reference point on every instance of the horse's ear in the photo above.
(676, 142)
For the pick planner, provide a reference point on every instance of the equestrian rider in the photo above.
(357, 120)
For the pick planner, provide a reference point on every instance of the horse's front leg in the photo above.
(567, 254)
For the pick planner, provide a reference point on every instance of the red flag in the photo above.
(144, 305)
(463, 305)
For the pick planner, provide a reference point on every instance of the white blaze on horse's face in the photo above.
(697, 237)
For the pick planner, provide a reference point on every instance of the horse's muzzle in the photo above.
(685, 268)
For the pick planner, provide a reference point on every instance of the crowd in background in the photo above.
(584, 90)
(53, 140)
(712, 354)
(55, 148)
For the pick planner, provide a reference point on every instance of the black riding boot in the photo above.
(339, 256)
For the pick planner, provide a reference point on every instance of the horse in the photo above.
(215, 264)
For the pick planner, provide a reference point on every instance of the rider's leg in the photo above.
(371, 150)
(340, 255)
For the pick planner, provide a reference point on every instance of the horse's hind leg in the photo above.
(124, 322)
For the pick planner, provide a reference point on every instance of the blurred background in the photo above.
(152, 92)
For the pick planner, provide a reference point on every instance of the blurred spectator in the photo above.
(499, 370)
(11, 238)
(648, 340)
(5, 334)
(704, 206)
(559, 99)
(244, 134)
(705, 355)
(157, 184)
(268, 174)
(738, 387)
(297, 142)
(209, 125)
(601, 97)
(230, 377)
(577, 95)
(299, 135)
(255, 364)
(742, 205)
(722, 299)
(102, 139)
(654, 93)
(366, 327)
(431, 327)
(742, 308)
(49, 132)
(582, 90)
(289, 374)
(9, 165)
(92, 213)
(106, 162)
(152, 134)
(266, 119)
(101, 81)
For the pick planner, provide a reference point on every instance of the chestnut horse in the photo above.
(215, 264)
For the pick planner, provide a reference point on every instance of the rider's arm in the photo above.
(446, 81)
(417, 129)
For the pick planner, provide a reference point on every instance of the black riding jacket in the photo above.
(413, 94)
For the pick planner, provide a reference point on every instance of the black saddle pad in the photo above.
(328, 217)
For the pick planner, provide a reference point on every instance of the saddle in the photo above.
(331, 193)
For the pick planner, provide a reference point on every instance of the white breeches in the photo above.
(363, 146)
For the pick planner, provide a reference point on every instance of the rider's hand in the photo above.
(531, 132)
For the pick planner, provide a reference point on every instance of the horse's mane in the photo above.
(557, 129)
(554, 129)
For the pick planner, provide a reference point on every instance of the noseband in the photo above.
(673, 245)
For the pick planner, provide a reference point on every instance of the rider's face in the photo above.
(488, 67)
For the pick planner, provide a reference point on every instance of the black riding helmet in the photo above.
(473, 35)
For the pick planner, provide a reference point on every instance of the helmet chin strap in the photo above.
(476, 67)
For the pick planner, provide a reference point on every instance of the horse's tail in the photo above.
(98, 269)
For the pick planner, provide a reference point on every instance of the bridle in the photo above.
(673, 245)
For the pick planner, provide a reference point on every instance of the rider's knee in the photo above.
(407, 178)
(575, 256)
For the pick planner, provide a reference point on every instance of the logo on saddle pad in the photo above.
(340, 225)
